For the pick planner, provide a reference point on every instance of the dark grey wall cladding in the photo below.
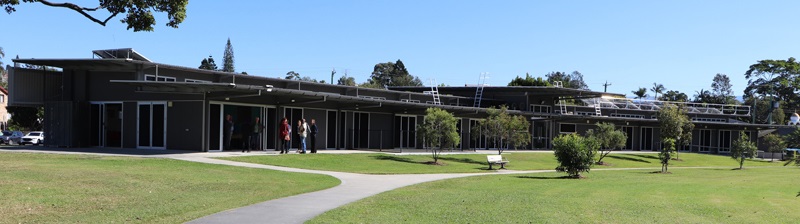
(129, 111)
(380, 126)
(100, 89)
(184, 125)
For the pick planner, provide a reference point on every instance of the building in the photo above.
(4, 115)
(122, 99)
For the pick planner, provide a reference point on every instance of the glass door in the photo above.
(152, 124)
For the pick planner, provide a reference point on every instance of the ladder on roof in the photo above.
(597, 111)
(561, 105)
(435, 92)
(479, 90)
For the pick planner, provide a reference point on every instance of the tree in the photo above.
(208, 64)
(743, 149)
(793, 139)
(227, 58)
(722, 89)
(665, 155)
(776, 78)
(346, 81)
(703, 96)
(674, 96)
(640, 93)
(292, 75)
(393, 74)
(575, 154)
(371, 84)
(506, 130)
(139, 15)
(774, 143)
(608, 137)
(657, 89)
(439, 131)
(573, 80)
(674, 124)
(25, 118)
(528, 81)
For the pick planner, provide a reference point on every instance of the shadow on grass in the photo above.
(463, 160)
(396, 158)
(644, 156)
(628, 158)
(545, 178)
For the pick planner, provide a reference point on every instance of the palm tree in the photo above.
(657, 88)
(641, 93)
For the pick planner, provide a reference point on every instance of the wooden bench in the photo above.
(496, 159)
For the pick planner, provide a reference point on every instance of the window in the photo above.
(567, 128)
(159, 78)
(540, 108)
(2, 98)
(647, 139)
(724, 141)
(704, 140)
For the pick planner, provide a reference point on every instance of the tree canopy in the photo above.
(657, 89)
(575, 154)
(674, 124)
(507, 130)
(529, 81)
(777, 78)
(572, 80)
(743, 149)
(208, 64)
(227, 58)
(640, 93)
(608, 138)
(392, 74)
(346, 81)
(139, 13)
(439, 131)
(674, 96)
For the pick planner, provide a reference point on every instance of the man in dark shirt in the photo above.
(255, 135)
(227, 131)
(313, 136)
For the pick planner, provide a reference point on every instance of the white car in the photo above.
(33, 138)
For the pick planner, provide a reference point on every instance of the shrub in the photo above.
(575, 154)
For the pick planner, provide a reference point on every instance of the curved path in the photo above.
(303, 207)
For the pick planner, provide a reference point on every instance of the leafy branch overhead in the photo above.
(139, 13)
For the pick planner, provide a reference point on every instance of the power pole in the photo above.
(605, 86)
(333, 72)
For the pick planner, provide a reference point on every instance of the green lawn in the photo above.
(381, 163)
(722, 195)
(48, 188)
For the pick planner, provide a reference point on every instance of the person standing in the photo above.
(302, 130)
(313, 138)
(285, 137)
(255, 135)
(227, 132)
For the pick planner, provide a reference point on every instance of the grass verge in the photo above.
(49, 188)
(380, 163)
(753, 195)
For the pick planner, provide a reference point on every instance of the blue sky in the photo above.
(630, 44)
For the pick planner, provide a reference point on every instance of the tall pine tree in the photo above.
(227, 58)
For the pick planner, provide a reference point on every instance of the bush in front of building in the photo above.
(575, 154)
(439, 131)
(742, 149)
